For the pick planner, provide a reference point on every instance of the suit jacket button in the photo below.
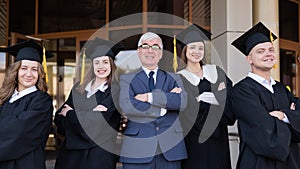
(157, 128)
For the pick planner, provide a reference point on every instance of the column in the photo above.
(229, 20)
(266, 11)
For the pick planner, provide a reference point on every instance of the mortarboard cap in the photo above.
(193, 33)
(100, 47)
(28, 50)
(97, 48)
(257, 34)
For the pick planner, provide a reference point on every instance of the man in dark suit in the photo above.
(152, 99)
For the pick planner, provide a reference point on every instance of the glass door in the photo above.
(289, 67)
(63, 73)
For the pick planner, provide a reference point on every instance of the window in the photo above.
(123, 8)
(201, 12)
(172, 7)
(2, 61)
(22, 16)
(289, 20)
(71, 15)
(128, 38)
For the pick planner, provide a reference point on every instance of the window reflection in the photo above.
(171, 7)
(289, 20)
(201, 12)
(2, 61)
(67, 15)
(288, 69)
(122, 8)
(128, 38)
(21, 16)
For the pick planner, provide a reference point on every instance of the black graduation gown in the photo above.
(212, 152)
(89, 136)
(24, 128)
(266, 142)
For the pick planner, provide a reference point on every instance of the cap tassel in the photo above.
(45, 64)
(271, 37)
(288, 87)
(175, 63)
(82, 67)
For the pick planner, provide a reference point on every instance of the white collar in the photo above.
(17, 95)
(209, 72)
(147, 71)
(262, 81)
(88, 88)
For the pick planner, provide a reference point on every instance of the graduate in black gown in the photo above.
(204, 120)
(25, 109)
(88, 119)
(268, 114)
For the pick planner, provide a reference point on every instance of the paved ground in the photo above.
(51, 156)
(50, 159)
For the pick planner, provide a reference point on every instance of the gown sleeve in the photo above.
(294, 117)
(262, 133)
(23, 133)
(70, 126)
(219, 116)
(222, 97)
(59, 120)
(82, 126)
(63, 123)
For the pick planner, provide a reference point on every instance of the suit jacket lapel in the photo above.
(141, 75)
(160, 79)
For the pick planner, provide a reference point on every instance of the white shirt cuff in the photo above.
(163, 111)
(285, 119)
(150, 98)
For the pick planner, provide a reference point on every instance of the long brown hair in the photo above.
(90, 75)
(10, 82)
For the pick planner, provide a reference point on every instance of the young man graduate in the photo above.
(267, 113)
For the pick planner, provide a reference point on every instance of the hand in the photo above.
(100, 108)
(142, 97)
(277, 114)
(176, 90)
(293, 106)
(221, 86)
(65, 110)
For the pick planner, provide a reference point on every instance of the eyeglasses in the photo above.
(153, 47)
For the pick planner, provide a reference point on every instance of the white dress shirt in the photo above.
(268, 85)
(163, 111)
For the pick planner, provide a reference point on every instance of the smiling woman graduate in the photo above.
(88, 119)
(205, 118)
(25, 109)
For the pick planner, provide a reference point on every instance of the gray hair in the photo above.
(150, 36)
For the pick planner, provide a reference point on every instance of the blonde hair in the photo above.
(11, 81)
